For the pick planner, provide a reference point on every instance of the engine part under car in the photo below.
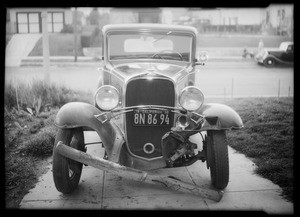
(178, 151)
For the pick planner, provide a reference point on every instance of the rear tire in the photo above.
(217, 158)
(67, 172)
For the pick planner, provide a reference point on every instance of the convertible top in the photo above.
(148, 26)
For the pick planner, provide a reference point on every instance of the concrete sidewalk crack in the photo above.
(103, 183)
(190, 176)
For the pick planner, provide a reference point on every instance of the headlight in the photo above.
(107, 97)
(191, 98)
(203, 56)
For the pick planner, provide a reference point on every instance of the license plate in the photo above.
(150, 118)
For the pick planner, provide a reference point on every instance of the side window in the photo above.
(290, 48)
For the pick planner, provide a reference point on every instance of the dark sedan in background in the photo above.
(282, 55)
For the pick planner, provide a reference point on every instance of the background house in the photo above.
(28, 20)
(274, 19)
(135, 15)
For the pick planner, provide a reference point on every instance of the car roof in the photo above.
(148, 26)
(287, 43)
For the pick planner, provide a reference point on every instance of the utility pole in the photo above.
(75, 35)
(46, 53)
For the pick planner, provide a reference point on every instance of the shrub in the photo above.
(40, 144)
(10, 99)
(85, 40)
(59, 45)
(67, 29)
(96, 38)
(40, 96)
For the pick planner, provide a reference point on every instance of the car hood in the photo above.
(273, 50)
(133, 69)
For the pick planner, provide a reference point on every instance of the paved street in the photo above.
(215, 79)
(246, 79)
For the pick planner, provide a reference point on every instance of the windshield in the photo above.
(167, 45)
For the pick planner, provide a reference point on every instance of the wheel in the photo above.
(67, 172)
(217, 158)
(269, 62)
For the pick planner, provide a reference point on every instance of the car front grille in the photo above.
(148, 92)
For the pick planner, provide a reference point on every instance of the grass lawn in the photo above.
(59, 45)
(267, 138)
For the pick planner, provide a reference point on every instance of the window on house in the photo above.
(55, 21)
(28, 22)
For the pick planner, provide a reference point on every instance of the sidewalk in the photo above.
(83, 60)
(59, 61)
(246, 191)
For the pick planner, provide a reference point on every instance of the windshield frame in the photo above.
(192, 48)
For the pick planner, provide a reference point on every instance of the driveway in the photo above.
(102, 190)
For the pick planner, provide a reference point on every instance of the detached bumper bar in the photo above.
(136, 175)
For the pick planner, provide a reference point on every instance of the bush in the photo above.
(48, 95)
(85, 40)
(92, 39)
(96, 38)
(67, 29)
(10, 99)
(59, 45)
(40, 144)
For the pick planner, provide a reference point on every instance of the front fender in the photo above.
(278, 60)
(78, 114)
(219, 117)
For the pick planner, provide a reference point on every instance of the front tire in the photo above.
(217, 158)
(67, 172)
(269, 62)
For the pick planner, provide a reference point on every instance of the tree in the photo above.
(94, 17)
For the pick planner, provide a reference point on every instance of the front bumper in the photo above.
(134, 174)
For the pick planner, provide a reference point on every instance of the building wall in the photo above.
(123, 16)
(257, 18)
(12, 23)
(227, 16)
(275, 13)
(135, 15)
(68, 17)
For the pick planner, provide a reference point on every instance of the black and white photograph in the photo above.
(150, 108)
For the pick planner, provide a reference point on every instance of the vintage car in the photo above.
(283, 55)
(145, 110)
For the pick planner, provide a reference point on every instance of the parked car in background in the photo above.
(146, 108)
(283, 55)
